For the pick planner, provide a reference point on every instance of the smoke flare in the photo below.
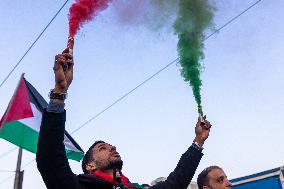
(194, 17)
(83, 11)
(190, 19)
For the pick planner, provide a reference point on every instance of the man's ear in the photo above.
(91, 167)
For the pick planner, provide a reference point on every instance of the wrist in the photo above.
(58, 89)
(57, 101)
(57, 97)
(198, 141)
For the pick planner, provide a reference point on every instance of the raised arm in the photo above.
(51, 157)
(181, 177)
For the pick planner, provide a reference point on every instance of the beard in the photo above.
(115, 164)
(110, 164)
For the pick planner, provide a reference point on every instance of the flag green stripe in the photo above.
(20, 135)
(74, 155)
(26, 138)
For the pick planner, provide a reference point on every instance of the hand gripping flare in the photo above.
(70, 45)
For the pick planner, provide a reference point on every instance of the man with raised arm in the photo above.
(102, 164)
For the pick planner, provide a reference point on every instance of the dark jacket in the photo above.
(57, 174)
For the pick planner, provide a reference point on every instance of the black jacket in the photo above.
(57, 174)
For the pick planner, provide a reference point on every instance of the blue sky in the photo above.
(242, 89)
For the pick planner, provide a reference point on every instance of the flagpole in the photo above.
(18, 182)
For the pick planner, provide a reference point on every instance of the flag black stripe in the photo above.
(41, 104)
(35, 97)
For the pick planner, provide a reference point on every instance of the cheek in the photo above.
(100, 161)
(216, 186)
(102, 156)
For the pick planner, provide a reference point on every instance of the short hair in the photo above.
(88, 157)
(202, 179)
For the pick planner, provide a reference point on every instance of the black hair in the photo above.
(202, 179)
(88, 157)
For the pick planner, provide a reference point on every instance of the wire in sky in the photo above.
(38, 37)
(233, 19)
(146, 80)
(122, 97)
(138, 86)
(11, 176)
(27, 51)
(6, 179)
(27, 164)
(8, 152)
(162, 69)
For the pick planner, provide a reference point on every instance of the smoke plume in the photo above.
(83, 11)
(194, 17)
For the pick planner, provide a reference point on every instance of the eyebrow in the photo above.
(100, 145)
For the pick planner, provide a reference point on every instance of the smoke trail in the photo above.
(190, 19)
(151, 14)
(82, 11)
(194, 17)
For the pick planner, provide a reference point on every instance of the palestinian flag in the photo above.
(20, 123)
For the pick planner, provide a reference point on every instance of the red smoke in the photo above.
(82, 11)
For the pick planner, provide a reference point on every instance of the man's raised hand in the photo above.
(202, 130)
(63, 77)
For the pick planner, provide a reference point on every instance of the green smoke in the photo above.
(194, 17)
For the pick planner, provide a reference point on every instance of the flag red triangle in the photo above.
(19, 106)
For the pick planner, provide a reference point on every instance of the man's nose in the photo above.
(229, 184)
(113, 148)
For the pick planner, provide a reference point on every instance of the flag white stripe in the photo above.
(34, 123)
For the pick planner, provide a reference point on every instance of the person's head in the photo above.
(145, 186)
(101, 156)
(158, 180)
(213, 177)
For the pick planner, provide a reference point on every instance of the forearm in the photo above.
(51, 158)
(182, 175)
(56, 106)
